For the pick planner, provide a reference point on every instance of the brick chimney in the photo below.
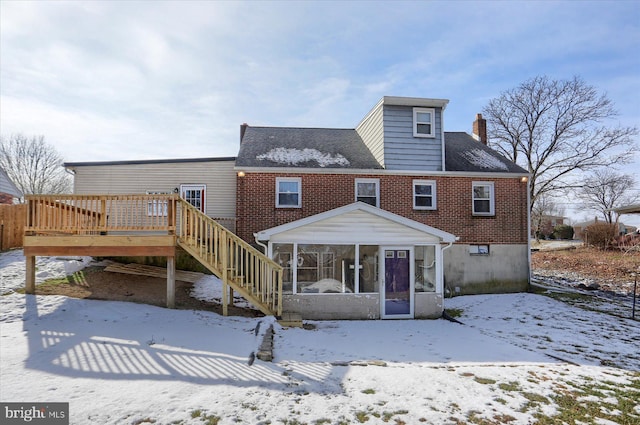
(243, 128)
(480, 129)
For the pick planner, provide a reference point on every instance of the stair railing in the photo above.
(234, 261)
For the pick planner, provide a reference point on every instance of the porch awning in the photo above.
(356, 223)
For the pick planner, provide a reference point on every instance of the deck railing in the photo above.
(254, 275)
(100, 214)
(237, 264)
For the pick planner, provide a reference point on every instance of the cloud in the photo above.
(129, 80)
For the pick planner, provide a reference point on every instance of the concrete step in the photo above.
(290, 320)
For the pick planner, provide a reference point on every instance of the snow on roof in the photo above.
(484, 159)
(292, 156)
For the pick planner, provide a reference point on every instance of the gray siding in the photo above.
(371, 131)
(218, 176)
(7, 186)
(402, 151)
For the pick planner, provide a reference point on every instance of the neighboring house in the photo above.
(8, 190)
(579, 228)
(547, 224)
(207, 183)
(378, 221)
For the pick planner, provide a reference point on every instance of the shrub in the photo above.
(563, 231)
(600, 235)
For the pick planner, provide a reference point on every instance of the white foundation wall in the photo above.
(505, 269)
(333, 306)
(428, 305)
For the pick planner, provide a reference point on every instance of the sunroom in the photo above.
(359, 262)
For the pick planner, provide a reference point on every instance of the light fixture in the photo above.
(524, 179)
(241, 174)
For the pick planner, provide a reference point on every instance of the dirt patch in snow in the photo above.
(97, 284)
(610, 270)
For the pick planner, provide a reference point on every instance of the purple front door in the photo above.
(397, 286)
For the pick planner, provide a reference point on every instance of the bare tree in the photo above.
(606, 189)
(33, 165)
(557, 129)
(544, 208)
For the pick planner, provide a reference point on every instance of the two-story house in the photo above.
(385, 219)
(378, 221)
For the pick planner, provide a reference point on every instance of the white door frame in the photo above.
(196, 186)
(382, 275)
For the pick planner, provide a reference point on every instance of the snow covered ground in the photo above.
(516, 359)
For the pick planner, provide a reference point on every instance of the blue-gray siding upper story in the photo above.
(403, 151)
(387, 130)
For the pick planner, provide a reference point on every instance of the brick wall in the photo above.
(256, 209)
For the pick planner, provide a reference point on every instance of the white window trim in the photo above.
(432, 111)
(196, 186)
(479, 249)
(491, 199)
(289, 179)
(432, 183)
(376, 181)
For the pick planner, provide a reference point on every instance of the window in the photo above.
(155, 207)
(368, 191)
(288, 192)
(424, 194)
(194, 194)
(323, 269)
(479, 249)
(423, 122)
(283, 255)
(425, 268)
(483, 198)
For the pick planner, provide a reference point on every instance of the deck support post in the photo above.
(231, 296)
(225, 299)
(171, 282)
(30, 281)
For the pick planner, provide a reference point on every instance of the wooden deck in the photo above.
(149, 225)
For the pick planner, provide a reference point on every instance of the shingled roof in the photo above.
(464, 153)
(344, 149)
(304, 148)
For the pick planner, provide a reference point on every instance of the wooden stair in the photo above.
(241, 267)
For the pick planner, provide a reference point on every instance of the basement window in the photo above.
(479, 249)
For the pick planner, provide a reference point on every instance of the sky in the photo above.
(150, 80)
(517, 357)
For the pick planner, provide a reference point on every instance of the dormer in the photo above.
(406, 133)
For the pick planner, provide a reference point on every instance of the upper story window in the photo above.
(424, 122)
(288, 192)
(483, 198)
(424, 194)
(368, 191)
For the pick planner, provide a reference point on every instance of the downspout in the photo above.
(442, 255)
(266, 249)
(444, 313)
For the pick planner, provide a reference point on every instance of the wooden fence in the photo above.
(12, 221)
